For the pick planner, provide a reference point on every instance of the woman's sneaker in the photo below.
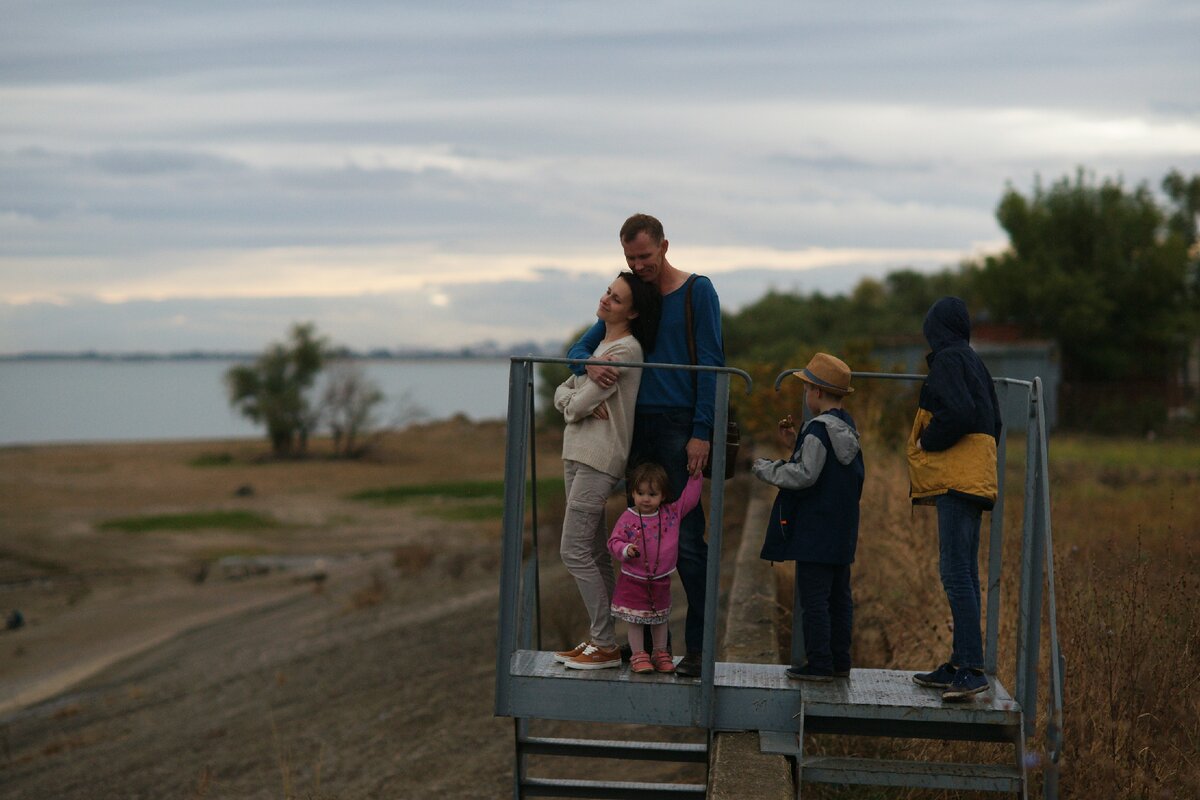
(563, 656)
(940, 678)
(966, 683)
(594, 657)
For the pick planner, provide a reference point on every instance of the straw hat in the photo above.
(828, 373)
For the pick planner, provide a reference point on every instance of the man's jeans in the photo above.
(958, 561)
(662, 438)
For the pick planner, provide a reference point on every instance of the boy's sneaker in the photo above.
(594, 657)
(966, 683)
(940, 678)
(563, 656)
(809, 673)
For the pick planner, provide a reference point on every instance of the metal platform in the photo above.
(758, 697)
(530, 684)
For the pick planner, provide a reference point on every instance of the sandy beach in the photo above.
(347, 652)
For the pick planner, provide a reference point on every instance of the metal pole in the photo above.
(516, 444)
(533, 523)
(1031, 574)
(996, 551)
(1055, 695)
(715, 528)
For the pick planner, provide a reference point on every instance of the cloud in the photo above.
(242, 151)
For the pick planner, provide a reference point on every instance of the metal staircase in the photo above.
(679, 752)
(759, 697)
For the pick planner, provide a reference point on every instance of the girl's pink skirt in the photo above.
(643, 602)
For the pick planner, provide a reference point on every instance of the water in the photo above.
(95, 401)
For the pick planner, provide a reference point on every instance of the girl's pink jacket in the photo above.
(659, 549)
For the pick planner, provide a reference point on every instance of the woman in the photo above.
(595, 447)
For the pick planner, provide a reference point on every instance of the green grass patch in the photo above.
(212, 460)
(473, 512)
(455, 490)
(196, 520)
(1094, 451)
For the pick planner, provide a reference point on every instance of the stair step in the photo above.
(611, 790)
(613, 748)
(928, 774)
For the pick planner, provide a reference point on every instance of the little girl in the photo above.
(646, 542)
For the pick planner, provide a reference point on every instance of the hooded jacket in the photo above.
(958, 416)
(815, 515)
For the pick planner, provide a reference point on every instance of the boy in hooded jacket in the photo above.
(952, 465)
(814, 520)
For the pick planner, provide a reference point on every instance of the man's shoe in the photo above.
(594, 657)
(966, 683)
(689, 665)
(809, 673)
(563, 656)
(841, 673)
(940, 678)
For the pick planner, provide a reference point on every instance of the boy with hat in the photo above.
(814, 521)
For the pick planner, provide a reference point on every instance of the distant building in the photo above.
(1006, 356)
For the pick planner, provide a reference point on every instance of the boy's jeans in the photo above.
(958, 561)
(662, 438)
(822, 600)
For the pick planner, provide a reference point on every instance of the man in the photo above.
(673, 422)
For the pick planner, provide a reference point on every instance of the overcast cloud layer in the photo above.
(179, 176)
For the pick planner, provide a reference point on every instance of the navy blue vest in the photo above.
(818, 523)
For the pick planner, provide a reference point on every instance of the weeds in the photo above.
(1126, 561)
(191, 521)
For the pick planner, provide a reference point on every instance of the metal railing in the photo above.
(519, 602)
(1037, 568)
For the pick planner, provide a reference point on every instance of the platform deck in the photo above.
(758, 697)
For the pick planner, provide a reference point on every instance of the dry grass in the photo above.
(1126, 558)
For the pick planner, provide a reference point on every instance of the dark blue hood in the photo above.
(947, 323)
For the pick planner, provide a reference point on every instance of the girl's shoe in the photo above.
(661, 659)
(640, 662)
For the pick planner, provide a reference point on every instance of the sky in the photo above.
(199, 176)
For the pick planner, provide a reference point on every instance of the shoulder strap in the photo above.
(687, 310)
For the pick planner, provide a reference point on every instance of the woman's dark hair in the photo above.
(647, 302)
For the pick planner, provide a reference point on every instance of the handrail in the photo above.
(516, 619)
(644, 364)
(899, 376)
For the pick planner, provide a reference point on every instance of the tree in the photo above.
(274, 389)
(347, 407)
(1103, 271)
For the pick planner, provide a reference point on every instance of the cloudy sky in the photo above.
(200, 175)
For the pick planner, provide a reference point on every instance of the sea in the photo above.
(60, 400)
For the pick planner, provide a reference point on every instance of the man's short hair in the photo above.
(640, 223)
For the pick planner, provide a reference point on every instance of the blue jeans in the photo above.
(822, 601)
(958, 562)
(662, 438)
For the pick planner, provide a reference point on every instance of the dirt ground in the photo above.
(347, 653)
